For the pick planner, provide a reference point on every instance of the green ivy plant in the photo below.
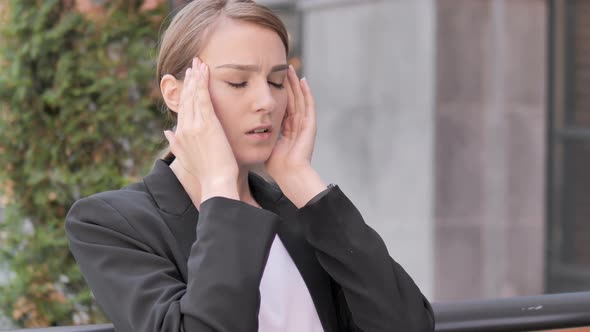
(79, 114)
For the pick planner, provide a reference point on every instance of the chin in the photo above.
(253, 158)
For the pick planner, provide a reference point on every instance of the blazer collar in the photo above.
(170, 196)
(166, 190)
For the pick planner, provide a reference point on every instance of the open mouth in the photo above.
(259, 131)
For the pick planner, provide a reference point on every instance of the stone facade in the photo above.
(431, 116)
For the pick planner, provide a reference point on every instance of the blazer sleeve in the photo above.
(374, 293)
(143, 291)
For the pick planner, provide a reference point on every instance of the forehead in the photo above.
(234, 41)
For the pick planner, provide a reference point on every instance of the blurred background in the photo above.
(460, 129)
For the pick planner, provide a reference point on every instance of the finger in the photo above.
(190, 86)
(296, 111)
(309, 101)
(288, 119)
(290, 100)
(203, 96)
(296, 87)
(197, 114)
(183, 102)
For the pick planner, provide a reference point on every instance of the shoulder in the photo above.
(114, 208)
(98, 224)
(130, 199)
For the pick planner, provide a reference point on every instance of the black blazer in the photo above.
(155, 263)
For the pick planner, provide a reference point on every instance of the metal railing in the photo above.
(526, 313)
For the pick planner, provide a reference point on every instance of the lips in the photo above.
(260, 130)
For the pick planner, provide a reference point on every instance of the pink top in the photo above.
(285, 302)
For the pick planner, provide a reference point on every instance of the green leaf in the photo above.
(71, 91)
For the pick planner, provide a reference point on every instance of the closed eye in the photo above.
(277, 85)
(244, 84)
(238, 85)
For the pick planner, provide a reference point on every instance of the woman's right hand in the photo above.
(200, 143)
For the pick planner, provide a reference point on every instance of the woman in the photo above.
(202, 243)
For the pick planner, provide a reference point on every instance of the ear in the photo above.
(171, 88)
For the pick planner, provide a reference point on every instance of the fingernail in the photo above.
(304, 82)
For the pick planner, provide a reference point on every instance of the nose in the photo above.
(264, 99)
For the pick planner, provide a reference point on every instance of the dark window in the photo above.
(568, 240)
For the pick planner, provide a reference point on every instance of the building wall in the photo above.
(370, 66)
(490, 148)
(431, 116)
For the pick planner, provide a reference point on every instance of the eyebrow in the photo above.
(253, 67)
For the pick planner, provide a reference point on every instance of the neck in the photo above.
(193, 189)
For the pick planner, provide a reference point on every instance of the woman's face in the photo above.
(248, 71)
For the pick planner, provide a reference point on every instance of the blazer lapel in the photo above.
(176, 207)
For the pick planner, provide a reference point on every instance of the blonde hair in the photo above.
(189, 29)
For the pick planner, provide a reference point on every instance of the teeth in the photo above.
(258, 131)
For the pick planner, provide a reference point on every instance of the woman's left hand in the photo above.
(290, 161)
